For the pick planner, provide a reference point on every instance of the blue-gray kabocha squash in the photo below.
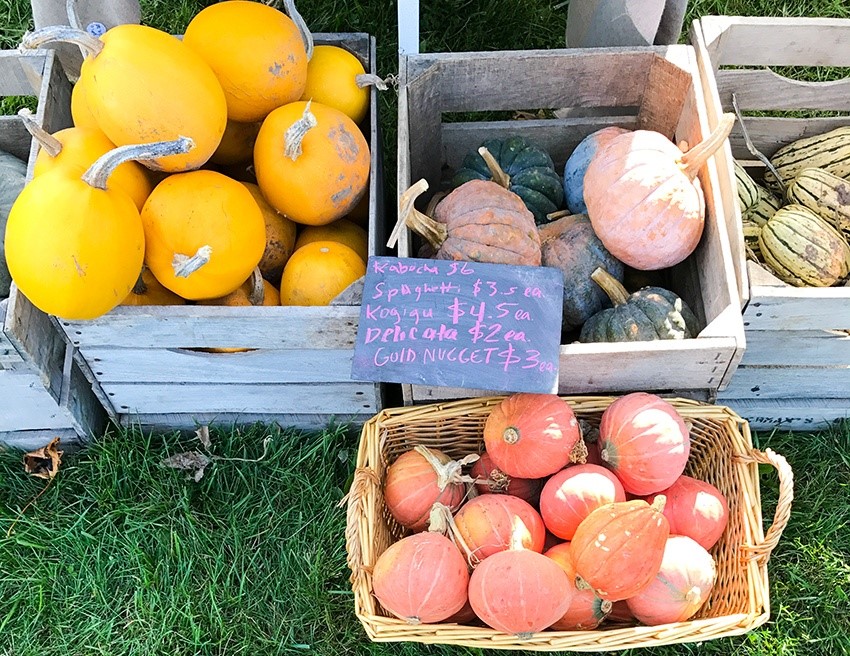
(13, 173)
(578, 162)
(569, 244)
(648, 314)
(520, 167)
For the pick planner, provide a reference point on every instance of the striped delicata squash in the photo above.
(804, 250)
(829, 151)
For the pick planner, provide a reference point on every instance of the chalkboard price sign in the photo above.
(460, 324)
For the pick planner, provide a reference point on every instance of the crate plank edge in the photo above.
(617, 78)
(145, 371)
(796, 370)
(43, 394)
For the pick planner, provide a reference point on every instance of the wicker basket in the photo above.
(721, 454)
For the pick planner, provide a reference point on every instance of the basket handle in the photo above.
(782, 514)
(363, 480)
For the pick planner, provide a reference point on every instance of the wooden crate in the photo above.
(145, 369)
(655, 88)
(796, 371)
(43, 394)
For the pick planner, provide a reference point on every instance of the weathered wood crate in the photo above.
(655, 88)
(43, 394)
(146, 369)
(796, 371)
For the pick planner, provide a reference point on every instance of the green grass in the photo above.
(123, 556)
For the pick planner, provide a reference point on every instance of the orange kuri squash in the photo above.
(644, 199)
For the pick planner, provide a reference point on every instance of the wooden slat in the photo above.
(27, 405)
(191, 421)
(178, 366)
(377, 222)
(762, 89)
(9, 356)
(774, 382)
(667, 88)
(537, 79)
(711, 266)
(41, 346)
(558, 137)
(403, 244)
(806, 348)
(21, 74)
(726, 183)
(81, 398)
(685, 364)
(744, 41)
(790, 414)
(14, 137)
(423, 126)
(29, 440)
(259, 398)
(693, 364)
(797, 308)
(770, 134)
(207, 326)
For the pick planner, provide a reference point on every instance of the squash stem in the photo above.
(605, 607)
(99, 172)
(140, 288)
(693, 160)
(51, 145)
(450, 472)
(498, 481)
(433, 231)
(659, 502)
(89, 45)
(579, 453)
(370, 80)
(611, 286)
(440, 521)
(511, 435)
(294, 136)
(303, 30)
(184, 265)
(558, 214)
(258, 290)
(499, 176)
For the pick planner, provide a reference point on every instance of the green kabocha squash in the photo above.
(648, 314)
(13, 173)
(804, 250)
(748, 190)
(569, 244)
(829, 151)
(825, 194)
(520, 167)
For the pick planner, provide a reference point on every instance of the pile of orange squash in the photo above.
(193, 163)
(550, 530)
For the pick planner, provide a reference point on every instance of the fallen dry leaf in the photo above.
(44, 462)
(203, 434)
(190, 461)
